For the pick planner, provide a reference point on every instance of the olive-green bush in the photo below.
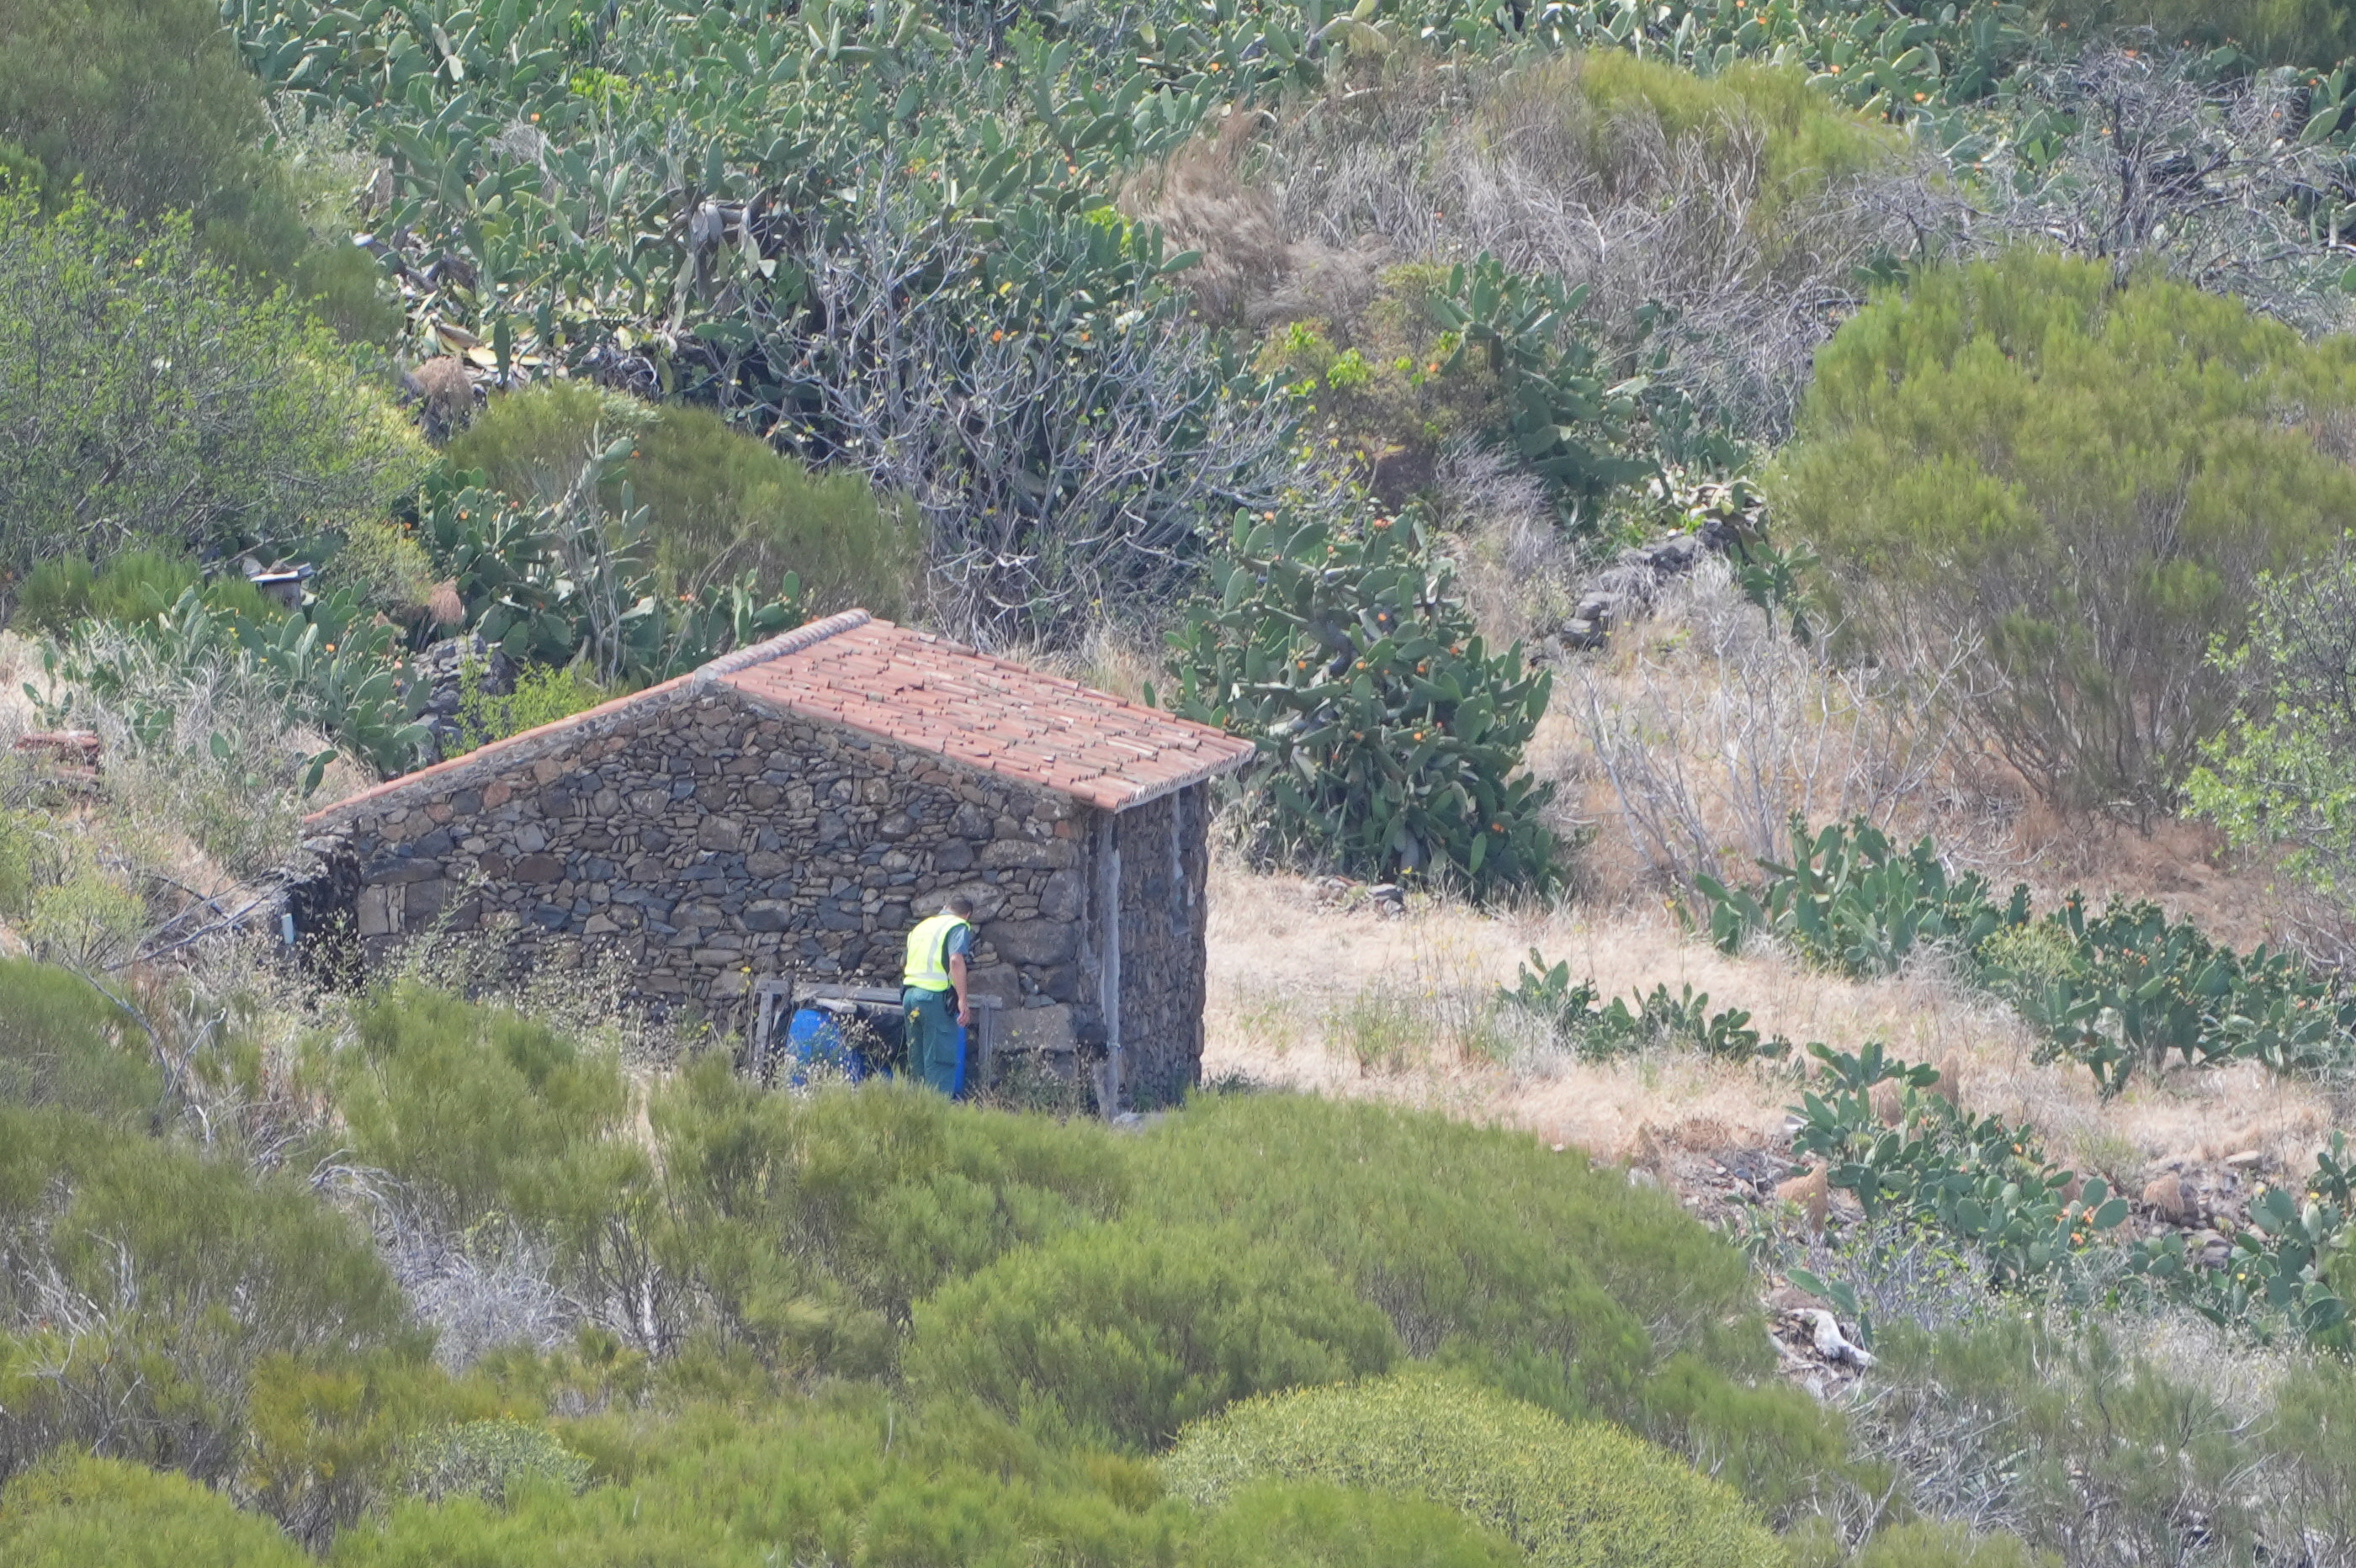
(1926, 1544)
(811, 1225)
(146, 1280)
(719, 502)
(1314, 1524)
(1127, 1332)
(849, 1476)
(2277, 32)
(147, 103)
(63, 1044)
(1567, 1493)
(475, 1109)
(2071, 487)
(146, 400)
(1551, 1279)
(1563, 1281)
(77, 1511)
(136, 585)
(489, 1460)
(2061, 1420)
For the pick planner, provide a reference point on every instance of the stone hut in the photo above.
(789, 810)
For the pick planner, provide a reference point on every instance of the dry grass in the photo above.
(1332, 997)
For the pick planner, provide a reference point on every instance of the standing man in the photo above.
(937, 970)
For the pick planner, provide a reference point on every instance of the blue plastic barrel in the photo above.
(816, 1038)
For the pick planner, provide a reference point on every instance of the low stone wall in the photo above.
(690, 840)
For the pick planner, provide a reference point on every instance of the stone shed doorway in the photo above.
(789, 810)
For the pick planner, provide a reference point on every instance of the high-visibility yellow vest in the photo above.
(928, 945)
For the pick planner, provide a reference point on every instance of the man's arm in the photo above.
(956, 983)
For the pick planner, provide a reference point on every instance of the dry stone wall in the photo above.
(688, 841)
(1164, 860)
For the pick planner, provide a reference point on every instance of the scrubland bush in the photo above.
(811, 1225)
(2279, 773)
(136, 585)
(725, 503)
(75, 1511)
(148, 101)
(2050, 1430)
(1722, 208)
(1926, 1544)
(331, 1437)
(846, 1476)
(542, 696)
(719, 502)
(1314, 1524)
(2076, 484)
(489, 1459)
(1564, 1279)
(1555, 1282)
(1129, 1332)
(196, 416)
(2279, 32)
(144, 1282)
(62, 1044)
(1585, 1494)
(474, 1110)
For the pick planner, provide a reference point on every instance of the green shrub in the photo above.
(542, 695)
(1483, 1247)
(848, 1477)
(2068, 1424)
(328, 1436)
(384, 565)
(1587, 1494)
(720, 503)
(148, 101)
(76, 1511)
(1810, 143)
(725, 503)
(55, 596)
(476, 1109)
(486, 1458)
(1925, 1543)
(812, 1224)
(144, 401)
(1390, 739)
(2281, 772)
(2308, 1439)
(533, 444)
(136, 585)
(1312, 1524)
(2073, 487)
(184, 1271)
(63, 1044)
(1129, 1332)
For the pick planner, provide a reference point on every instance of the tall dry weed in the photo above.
(1710, 730)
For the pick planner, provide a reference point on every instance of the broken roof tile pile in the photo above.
(929, 694)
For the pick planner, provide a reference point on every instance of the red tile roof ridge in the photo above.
(927, 711)
(808, 635)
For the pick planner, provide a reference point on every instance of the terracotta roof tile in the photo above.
(915, 689)
(924, 692)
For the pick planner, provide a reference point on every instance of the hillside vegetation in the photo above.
(1779, 972)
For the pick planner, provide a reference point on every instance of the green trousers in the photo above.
(932, 1037)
